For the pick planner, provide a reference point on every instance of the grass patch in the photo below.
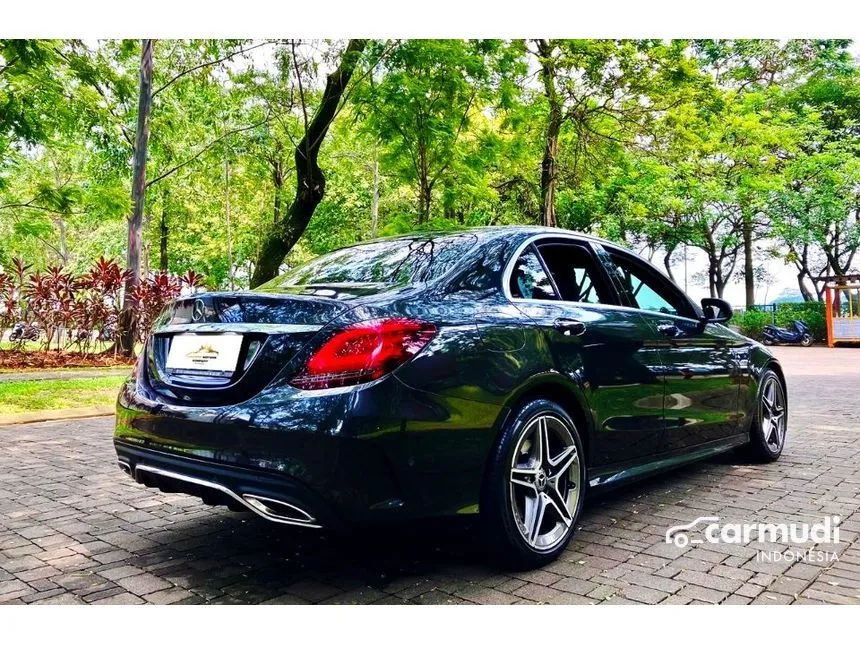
(26, 396)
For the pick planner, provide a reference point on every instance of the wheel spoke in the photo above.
(559, 504)
(773, 435)
(562, 462)
(542, 442)
(524, 477)
(535, 507)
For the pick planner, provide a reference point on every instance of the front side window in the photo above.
(648, 290)
(529, 279)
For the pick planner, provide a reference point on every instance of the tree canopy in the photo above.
(262, 154)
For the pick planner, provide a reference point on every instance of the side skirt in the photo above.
(606, 478)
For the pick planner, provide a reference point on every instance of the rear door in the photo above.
(701, 367)
(561, 286)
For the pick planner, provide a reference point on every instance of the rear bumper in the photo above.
(335, 457)
(381, 453)
(273, 497)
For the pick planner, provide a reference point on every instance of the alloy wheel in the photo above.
(545, 482)
(773, 414)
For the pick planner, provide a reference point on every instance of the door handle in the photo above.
(569, 327)
(668, 329)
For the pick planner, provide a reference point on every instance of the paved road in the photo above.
(74, 530)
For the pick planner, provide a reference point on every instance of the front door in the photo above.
(700, 367)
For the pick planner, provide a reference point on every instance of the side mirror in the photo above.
(716, 310)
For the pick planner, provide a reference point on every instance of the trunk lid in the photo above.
(266, 331)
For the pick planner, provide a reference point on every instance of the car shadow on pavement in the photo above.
(226, 549)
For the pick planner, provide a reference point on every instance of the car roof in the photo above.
(488, 232)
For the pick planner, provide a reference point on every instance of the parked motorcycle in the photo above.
(107, 333)
(23, 331)
(797, 332)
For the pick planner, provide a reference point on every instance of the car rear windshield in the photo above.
(396, 262)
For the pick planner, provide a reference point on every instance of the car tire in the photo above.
(806, 340)
(535, 485)
(770, 419)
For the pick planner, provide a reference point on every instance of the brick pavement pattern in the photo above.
(75, 530)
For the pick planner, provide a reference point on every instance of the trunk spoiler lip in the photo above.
(211, 295)
(237, 328)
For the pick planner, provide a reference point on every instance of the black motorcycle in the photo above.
(23, 331)
(797, 332)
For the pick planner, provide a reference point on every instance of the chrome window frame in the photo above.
(593, 242)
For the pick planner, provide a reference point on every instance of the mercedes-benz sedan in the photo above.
(501, 372)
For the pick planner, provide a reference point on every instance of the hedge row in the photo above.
(751, 322)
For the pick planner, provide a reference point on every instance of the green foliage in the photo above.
(812, 313)
(752, 321)
(662, 143)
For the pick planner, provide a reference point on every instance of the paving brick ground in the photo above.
(74, 530)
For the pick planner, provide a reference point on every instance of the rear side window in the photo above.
(576, 273)
(529, 280)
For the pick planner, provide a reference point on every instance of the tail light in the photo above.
(364, 352)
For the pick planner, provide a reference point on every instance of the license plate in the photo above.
(204, 352)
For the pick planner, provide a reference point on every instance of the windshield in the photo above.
(396, 262)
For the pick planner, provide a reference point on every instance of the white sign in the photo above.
(206, 352)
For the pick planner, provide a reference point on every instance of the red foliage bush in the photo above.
(84, 310)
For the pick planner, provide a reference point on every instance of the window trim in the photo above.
(591, 245)
(601, 280)
(597, 245)
(531, 247)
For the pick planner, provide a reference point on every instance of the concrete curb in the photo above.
(55, 415)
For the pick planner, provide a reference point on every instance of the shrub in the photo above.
(752, 321)
(8, 303)
(87, 306)
(153, 292)
(812, 313)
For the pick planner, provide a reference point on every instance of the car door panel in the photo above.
(700, 371)
(620, 374)
(700, 366)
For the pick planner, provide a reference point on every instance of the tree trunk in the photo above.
(749, 272)
(425, 191)
(164, 234)
(374, 200)
(138, 193)
(667, 262)
(712, 279)
(802, 286)
(425, 196)
(549, 170)
(310, 180)
(230, 278)
(63, 244)
(278, 181)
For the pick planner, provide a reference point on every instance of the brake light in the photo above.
(364, 352)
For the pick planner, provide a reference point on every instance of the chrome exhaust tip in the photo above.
(271, 509)
(278, 510)
(124, 466)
